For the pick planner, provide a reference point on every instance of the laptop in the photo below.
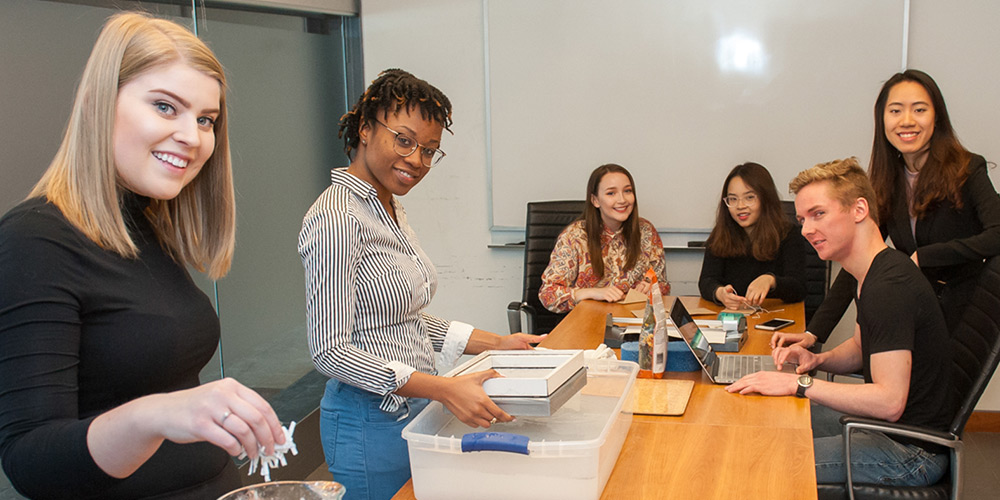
(720, 369)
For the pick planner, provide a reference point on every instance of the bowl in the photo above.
(288, 490)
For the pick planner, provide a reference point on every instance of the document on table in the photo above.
(711, 328)
(713, 335)
(633, 297)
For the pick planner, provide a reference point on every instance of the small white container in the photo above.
(570, 454)
(535, 373)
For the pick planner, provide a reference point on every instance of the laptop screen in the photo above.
(692, 335)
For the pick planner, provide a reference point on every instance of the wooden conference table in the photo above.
(724, 446)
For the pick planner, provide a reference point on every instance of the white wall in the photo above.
(441, 41)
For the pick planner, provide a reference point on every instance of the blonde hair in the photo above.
(848, 182)
(198, 226)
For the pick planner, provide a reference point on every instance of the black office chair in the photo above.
(544, 221)
(817, 269)
(975, 352)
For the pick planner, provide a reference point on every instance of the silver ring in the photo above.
(493, 420)
(224, 417)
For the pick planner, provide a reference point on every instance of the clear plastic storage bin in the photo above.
(569, 454)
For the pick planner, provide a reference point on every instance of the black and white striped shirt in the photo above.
(367, 284)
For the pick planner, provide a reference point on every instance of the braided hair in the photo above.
(393, 91)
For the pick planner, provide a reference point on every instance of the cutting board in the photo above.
(661, 396)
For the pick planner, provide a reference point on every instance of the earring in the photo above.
(364, 142)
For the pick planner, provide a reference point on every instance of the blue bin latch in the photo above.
(495, 441)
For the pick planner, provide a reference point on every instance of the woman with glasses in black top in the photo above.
(753, 251)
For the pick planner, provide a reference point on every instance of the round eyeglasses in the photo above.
(405, 145)
(732, 200)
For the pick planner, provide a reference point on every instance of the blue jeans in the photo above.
(364, 447)
(875, 457)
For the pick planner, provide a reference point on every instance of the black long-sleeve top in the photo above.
(951, 245)
(82, 331)
(788, 268)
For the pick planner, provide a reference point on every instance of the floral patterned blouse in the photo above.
(569, 267)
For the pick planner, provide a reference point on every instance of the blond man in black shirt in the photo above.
(900, 342)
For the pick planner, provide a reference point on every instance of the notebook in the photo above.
(720, 369)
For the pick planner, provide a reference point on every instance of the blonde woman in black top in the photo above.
(102, 330)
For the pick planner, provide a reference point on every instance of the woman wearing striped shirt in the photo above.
(367, 284)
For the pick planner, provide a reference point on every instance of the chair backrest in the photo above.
(544, 221)
(817, 269)
(975, 344)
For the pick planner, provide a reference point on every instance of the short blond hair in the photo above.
(198, 226)
(848, 182)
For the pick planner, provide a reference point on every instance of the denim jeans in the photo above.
(364, 448)
(875, 457)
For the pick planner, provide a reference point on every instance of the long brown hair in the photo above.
(943, 174)
(198, 226)
(729, 239)
(594, 224)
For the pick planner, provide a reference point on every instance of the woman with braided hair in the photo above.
(367, 284)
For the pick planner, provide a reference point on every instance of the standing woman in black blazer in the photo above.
(934, 200)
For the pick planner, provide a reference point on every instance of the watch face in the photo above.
(805, 382)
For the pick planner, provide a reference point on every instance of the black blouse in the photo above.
(788, 268)
(84, 330)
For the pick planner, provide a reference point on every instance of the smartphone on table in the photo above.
(774, 324)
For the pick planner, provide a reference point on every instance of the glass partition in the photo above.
(287, 93)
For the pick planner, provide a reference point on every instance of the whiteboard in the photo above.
(678, 92)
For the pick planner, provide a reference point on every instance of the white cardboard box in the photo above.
(524, 373)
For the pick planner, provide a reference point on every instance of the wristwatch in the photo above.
(805, 382)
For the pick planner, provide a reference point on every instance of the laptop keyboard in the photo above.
(734, 367)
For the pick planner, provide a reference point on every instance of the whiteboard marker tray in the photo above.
(535, 373)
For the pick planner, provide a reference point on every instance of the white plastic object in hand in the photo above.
(268, 462)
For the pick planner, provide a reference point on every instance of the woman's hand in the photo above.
(465, 398)
(607, 294)
(727, 296)
(643, 287)
(224, 413)
(481, 340)
(518, 341)
(758, 289)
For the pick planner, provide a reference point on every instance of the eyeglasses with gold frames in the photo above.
(405, 145)
(749, 200)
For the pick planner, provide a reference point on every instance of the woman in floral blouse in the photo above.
(610, 226)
